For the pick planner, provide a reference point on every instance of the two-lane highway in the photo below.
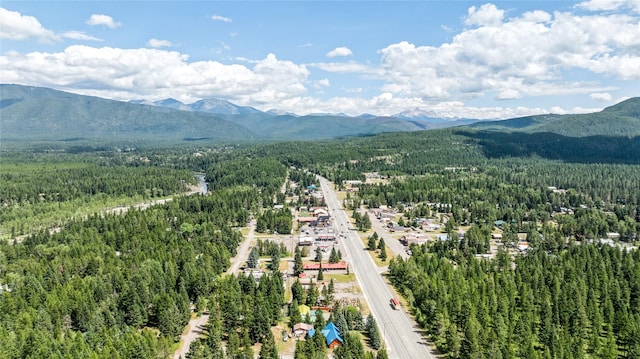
(401, 334)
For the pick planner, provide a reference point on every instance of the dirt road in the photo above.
(243, 250)
(197, 326)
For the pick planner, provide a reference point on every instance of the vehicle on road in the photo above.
(394, 303)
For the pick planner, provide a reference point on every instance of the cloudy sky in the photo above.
(451, 59)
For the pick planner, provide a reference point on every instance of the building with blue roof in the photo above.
(332, 335)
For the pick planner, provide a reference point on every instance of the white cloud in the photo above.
(268, 83)
(319, 84)
(104, 20)
(346, 67)
(609, 5)
(536, 16)
(446, 28)
(15, 26)
(154, 74)
(601, 96)
(522, 56)
(339, 52)
(157, 43)
(220, 18)
(78, 35)
(508, 94)
(485, 15)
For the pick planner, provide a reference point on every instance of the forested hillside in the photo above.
(37, 114)
(619, 120)
(40, 114)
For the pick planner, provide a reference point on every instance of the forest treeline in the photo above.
(120, 285)
(45, 190)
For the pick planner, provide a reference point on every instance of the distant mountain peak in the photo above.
(169, 100)
(277, 112)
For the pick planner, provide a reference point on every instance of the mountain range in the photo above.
(36, 113)
(622, 119)
(214, 106)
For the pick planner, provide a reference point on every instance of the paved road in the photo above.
(402, 336)
(394, 244)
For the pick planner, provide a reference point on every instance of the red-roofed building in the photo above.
(325, 266)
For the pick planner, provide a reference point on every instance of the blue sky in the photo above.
(450, 59)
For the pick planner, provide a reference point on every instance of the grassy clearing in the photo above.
(364, 238)
(340, 278)
(31, 218)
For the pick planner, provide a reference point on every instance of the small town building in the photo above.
(413, 238)
(342, 265)
(301, 329)
(332, 334)
(305, 241)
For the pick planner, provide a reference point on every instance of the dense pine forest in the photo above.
(79, 281)
(106, 285)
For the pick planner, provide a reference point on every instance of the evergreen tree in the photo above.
(268, 349)
(334, 257)
(247, 349)
(199, 350)
(301, 350)
(294, 313)
(373, 332)
(318, 257)
(382, 354)
(312, 295)
(297, 292)
(168, 316)
(233, 345)
(371, 243)
(319, 322)
(297, 262)
(320, 273)
(254, 257)
(383, 252)
(261, 322)
(341, 323)
(275, 259)
(351, 348)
